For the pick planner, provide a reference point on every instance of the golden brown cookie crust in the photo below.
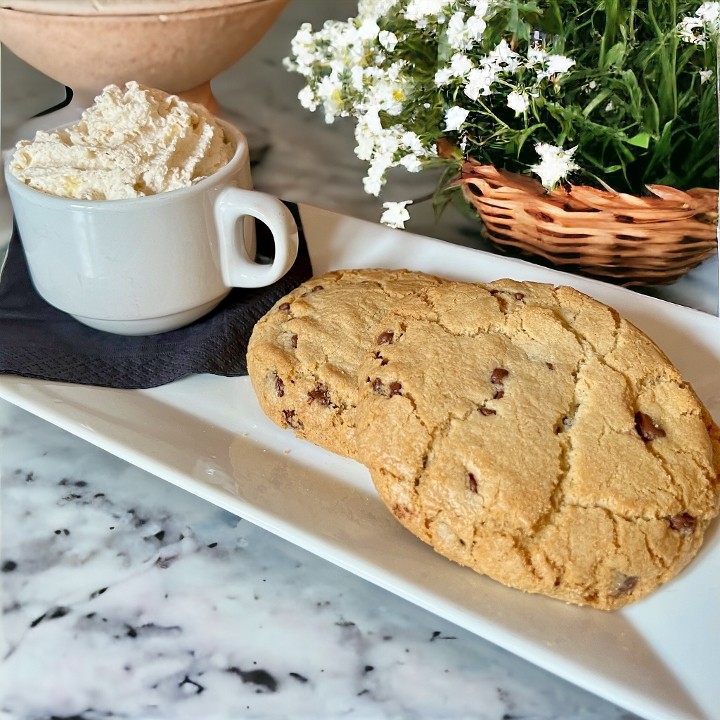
(532, 434)
(304, 354)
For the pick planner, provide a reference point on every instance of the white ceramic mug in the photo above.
(151, 264)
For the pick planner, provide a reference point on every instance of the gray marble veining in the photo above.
(124, 596)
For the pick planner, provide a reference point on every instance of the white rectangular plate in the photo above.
(208, 435)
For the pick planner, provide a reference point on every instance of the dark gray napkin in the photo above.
(39, 341)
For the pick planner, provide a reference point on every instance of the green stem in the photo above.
(612, 12)
(668, 91)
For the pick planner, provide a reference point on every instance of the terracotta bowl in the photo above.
(174, 46)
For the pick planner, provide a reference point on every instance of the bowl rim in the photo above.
(122, 8)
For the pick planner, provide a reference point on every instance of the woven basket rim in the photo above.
(657, 194)
(639, 239)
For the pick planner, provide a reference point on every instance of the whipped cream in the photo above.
(132, 141)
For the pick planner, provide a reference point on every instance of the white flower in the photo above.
(691, 31)
(375, 178)
(443, 76)
(419, 11)
(558, 64)
(504, 57)
(460, 66)
(455, 117)
(412, 142)
(463, 33)
(555, 164)
(385, 148)
(374, 9)
(384, 89)
(706, 75)
(388, 40)
(329, 91)
(553, 65)
(357, 78)
(307, 99)
(368, 29)
(536, 55)
(709, 13)
(698, 28)
(479, 82)
(395, 215)
(518, 102)
(411, 163)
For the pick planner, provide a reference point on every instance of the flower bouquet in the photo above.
(581, 131)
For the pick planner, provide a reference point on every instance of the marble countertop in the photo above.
(126, 597)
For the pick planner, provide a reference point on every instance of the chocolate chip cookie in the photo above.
(303, 355)
(532, 434)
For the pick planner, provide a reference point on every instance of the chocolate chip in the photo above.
(517, 295)
(394, 387)
(291, 419)
(284, 307)
(472, 483)
(626, 584)
(499, 394)
(293, 341)
(487, 411)
(683, 523)
(320, 395)
(549, 366)
(498, 375)
(385, 338)
(317, 287)
(647, 428)
(401, 511)
(279, 386)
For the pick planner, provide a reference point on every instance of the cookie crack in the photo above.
(440, 429)
(618, 330)
(557, 496)
(614, 513)
(656, 559)
(428, 448)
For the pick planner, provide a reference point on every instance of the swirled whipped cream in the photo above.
(132, 141)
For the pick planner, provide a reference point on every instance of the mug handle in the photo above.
(238, 269)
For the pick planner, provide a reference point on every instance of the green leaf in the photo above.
(633, 104)
(640, 140)
(616, 55)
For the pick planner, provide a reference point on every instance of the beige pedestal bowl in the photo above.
(177, 46)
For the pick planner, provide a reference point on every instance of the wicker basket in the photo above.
(632, 240)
